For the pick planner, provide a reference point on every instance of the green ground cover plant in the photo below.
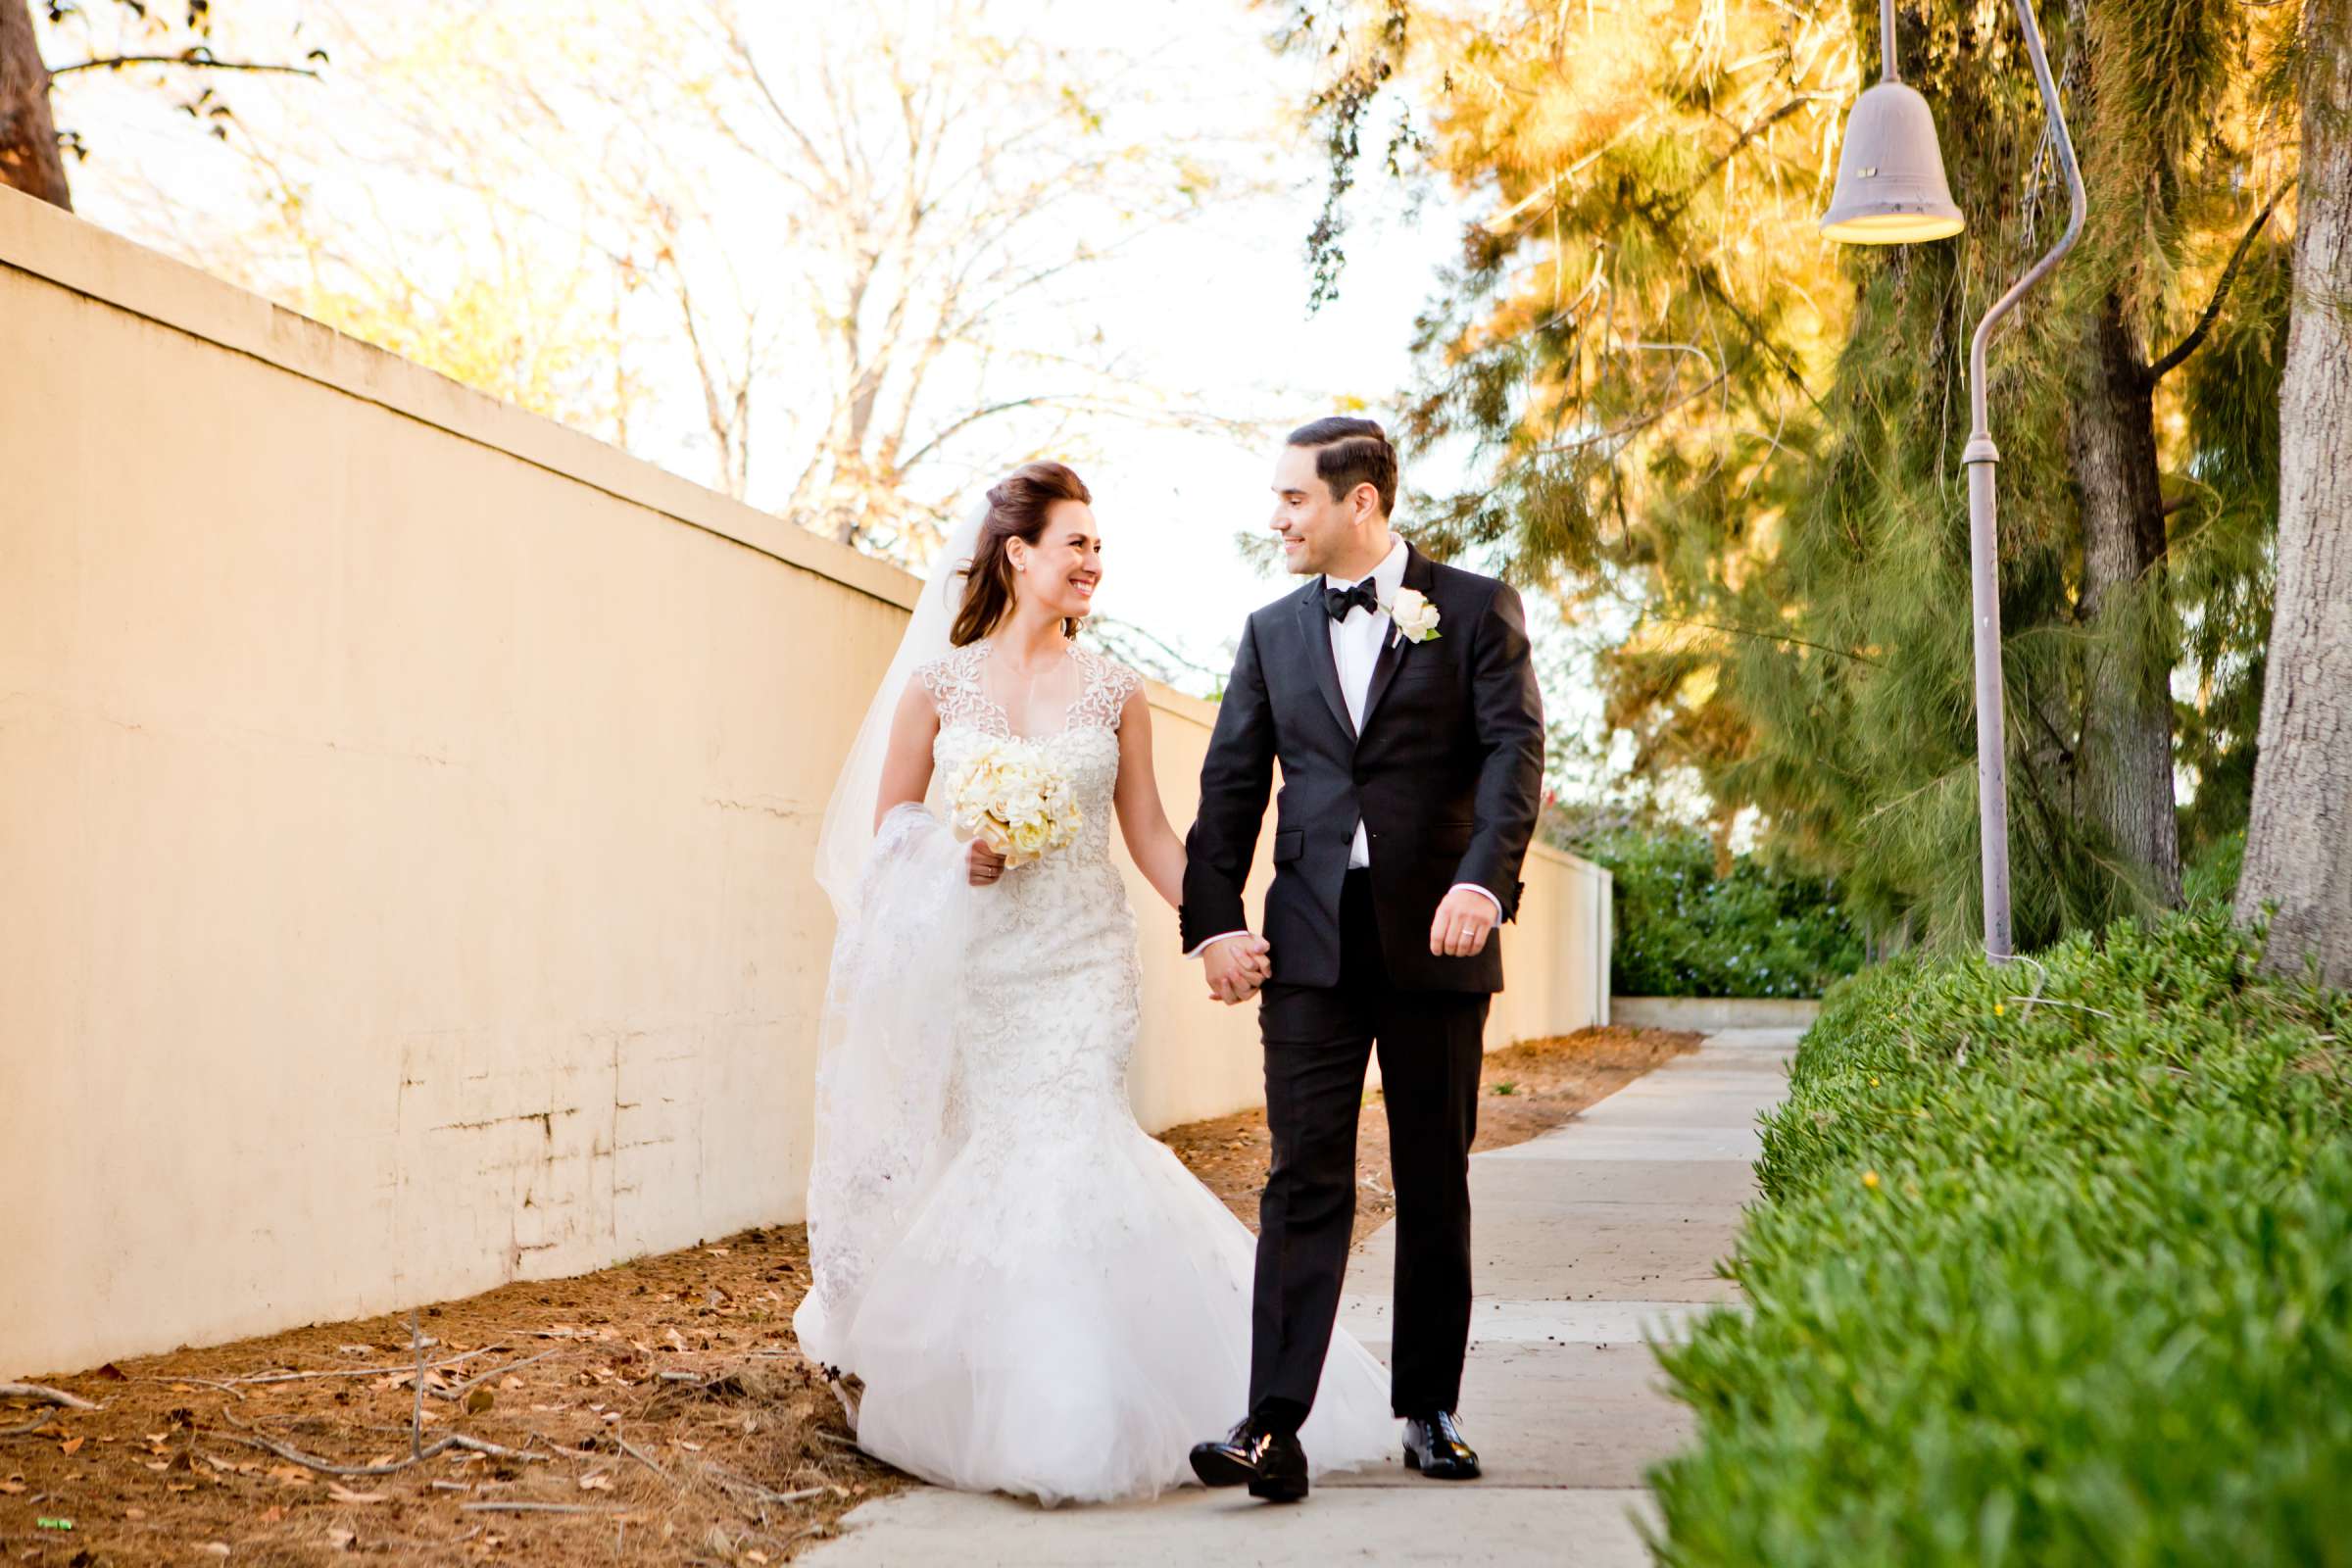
(2052, 1265)
(1684, 931)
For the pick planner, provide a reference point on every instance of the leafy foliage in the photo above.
(2051, 1269)
(1673, 391)
(1681, 930)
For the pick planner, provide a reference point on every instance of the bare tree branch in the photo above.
(196, 59)
(2171, 361)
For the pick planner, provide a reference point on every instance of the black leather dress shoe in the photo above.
(1271, 1464)
(1434, 1446)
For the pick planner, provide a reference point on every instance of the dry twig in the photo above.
(639, 1455)
(455, 1440)
(46, 1395)
(460, 1389)
(290, 1376)
(416, 1420)
(228, 1389)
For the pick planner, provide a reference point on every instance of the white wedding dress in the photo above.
(1039, 1297)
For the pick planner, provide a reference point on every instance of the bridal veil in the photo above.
(903, 922)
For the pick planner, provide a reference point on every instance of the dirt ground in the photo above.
(655, 1412)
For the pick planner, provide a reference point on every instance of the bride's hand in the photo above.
(982, 865)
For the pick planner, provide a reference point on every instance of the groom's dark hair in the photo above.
(1348, 453)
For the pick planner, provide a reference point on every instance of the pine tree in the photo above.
(1677, 390)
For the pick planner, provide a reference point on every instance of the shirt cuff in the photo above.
(1227, 935)
(1481, 893)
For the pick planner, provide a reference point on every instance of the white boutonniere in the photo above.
(1415, 616)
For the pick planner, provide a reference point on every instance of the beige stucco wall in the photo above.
(406, 817)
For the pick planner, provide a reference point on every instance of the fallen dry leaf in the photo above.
(70, 1445)
(341, 1539)
(272, 1514)
(345, 1495)
(12, 1485)
(288, 1476)
(601, 1481)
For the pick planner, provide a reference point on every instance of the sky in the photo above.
(1216, 307)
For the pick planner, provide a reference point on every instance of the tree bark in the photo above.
(2127, 736)
(2299, 838)
(28, 156)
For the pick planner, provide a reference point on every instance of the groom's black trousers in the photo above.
(1318, 1041)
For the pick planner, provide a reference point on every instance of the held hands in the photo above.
(1236, 968)
(982, 865)
(1463, 923)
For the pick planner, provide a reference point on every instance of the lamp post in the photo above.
(1891, 192)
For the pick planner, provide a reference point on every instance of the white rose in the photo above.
(1415, 616)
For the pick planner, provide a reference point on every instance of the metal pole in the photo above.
(1981, 458)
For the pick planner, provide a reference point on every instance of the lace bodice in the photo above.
(956, 686)
(1086, 747)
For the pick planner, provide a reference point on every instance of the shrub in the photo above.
(1683, 931)
(2053, 1265)
(2210, 876)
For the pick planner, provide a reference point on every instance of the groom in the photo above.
(1398, 697)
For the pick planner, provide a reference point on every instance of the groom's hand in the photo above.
(1463, 923)
(1235, 967)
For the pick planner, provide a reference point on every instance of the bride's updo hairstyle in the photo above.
(1016, 509)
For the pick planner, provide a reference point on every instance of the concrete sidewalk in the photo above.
(1589, 1240)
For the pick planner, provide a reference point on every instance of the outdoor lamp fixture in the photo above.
(1891, 192)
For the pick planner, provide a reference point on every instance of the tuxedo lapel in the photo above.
(1419, 577)
(1314, 624)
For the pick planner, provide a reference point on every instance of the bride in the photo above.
(1036, 1296)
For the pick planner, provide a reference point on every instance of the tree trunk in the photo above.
(2128, 739)
(2299, 838)
(28, 155)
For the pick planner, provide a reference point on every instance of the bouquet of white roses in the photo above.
(1012, 799)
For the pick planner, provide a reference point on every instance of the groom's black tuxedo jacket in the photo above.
(1445, 777)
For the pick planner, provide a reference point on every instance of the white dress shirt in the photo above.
(1355, 645)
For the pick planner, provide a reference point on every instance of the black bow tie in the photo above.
(1337, 602)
